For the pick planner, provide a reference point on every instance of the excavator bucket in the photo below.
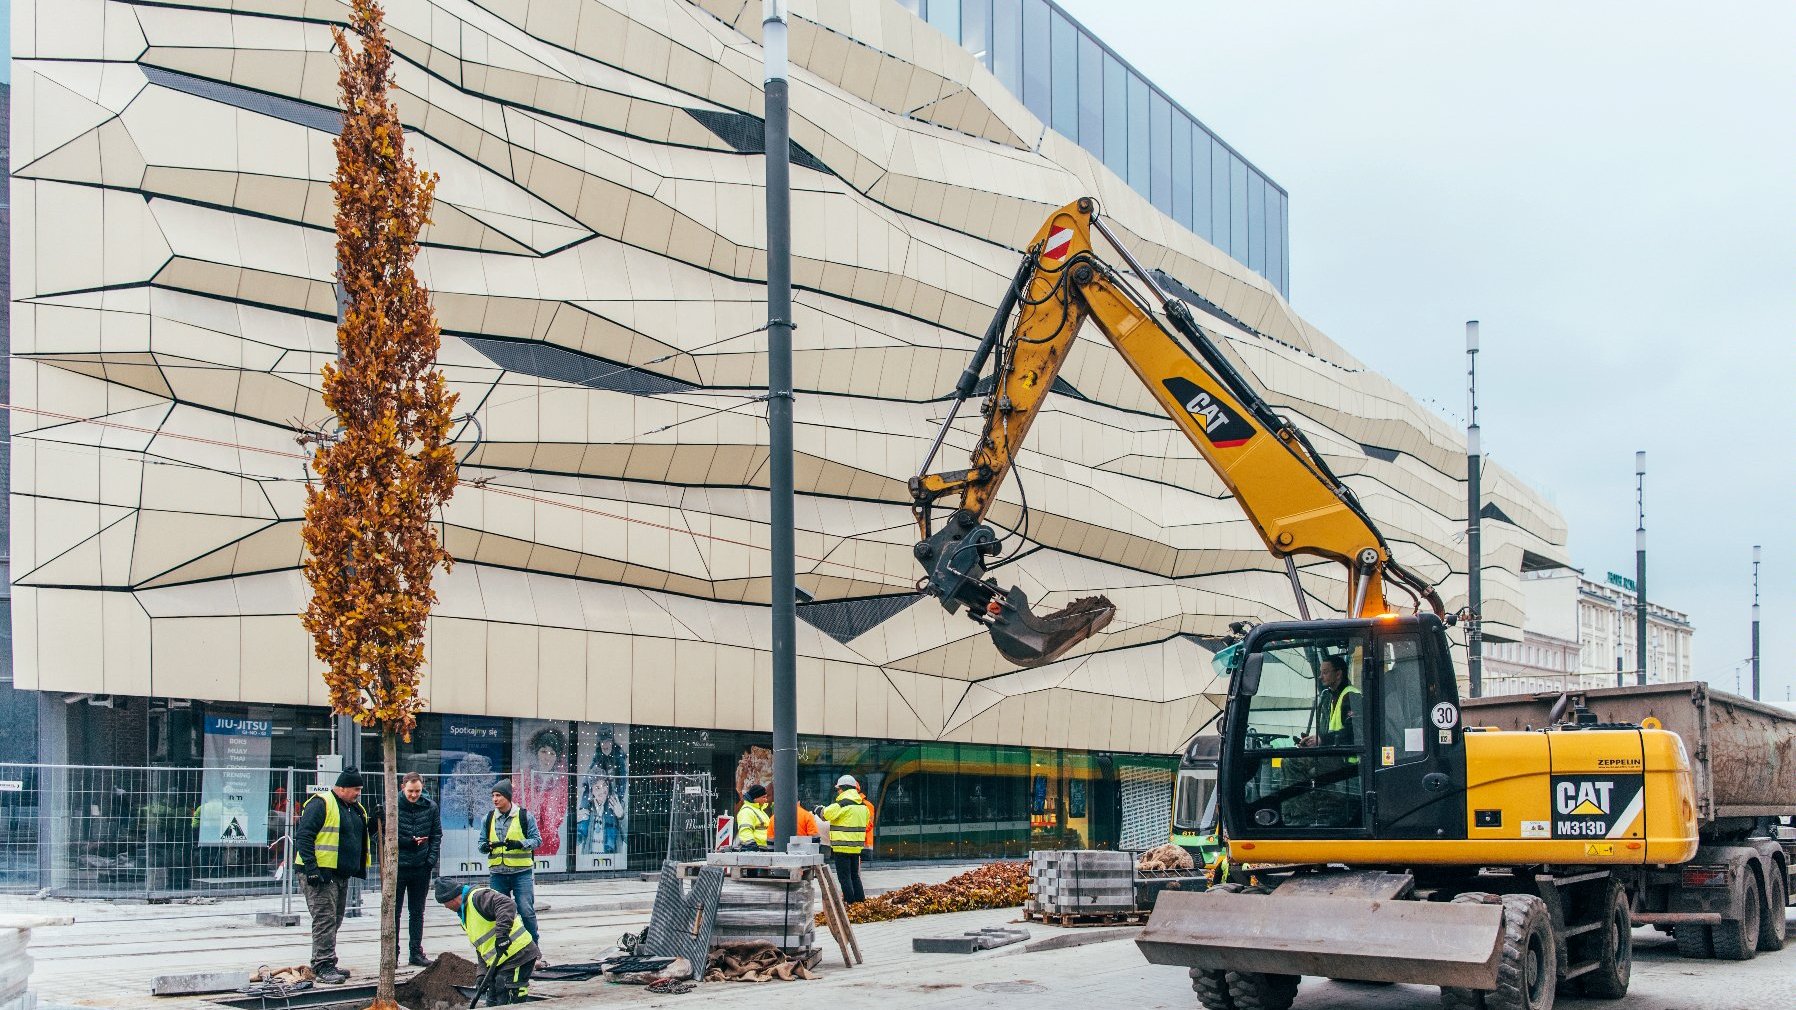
(1028, 639)
(1376, 940)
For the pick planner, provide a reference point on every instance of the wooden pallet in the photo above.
(777, 874)
(1076, 919)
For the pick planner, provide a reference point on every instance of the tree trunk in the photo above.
(389, 870)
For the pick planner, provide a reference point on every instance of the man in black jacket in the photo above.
(420, 846)
(331, 845)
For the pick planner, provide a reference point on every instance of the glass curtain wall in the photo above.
(1073, 82)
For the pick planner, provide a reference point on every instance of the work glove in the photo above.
(486, 847)
(315, 878)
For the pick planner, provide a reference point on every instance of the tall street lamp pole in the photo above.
(778, 146)
(1640, 565)
(1755, 622)
(1474, 634)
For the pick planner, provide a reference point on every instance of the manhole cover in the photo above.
(1011, 987)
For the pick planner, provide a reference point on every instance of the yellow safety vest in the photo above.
(848, 818)
(329, 839)
(511, 857)
(1336, 718)
(751, 824)
(483, 932)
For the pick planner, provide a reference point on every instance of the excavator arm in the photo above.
(1288, 493)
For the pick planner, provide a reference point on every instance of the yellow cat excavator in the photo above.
(1395, 843)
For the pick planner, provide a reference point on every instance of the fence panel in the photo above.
(166, 833)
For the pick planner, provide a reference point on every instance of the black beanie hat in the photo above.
(447, 890)
(349, 778)
(756, 791)
(503, 788)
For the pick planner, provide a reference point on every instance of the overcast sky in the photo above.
(1607, 186)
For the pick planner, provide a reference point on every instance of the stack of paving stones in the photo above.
(766, 898)
(1080, 882)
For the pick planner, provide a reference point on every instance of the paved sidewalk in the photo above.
(109, 956)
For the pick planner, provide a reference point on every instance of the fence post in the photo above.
(287, 864)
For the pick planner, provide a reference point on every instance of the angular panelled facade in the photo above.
(597, 262)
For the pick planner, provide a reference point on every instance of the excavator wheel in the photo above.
(1528, 971)
(1615, 959)
(1243, 990)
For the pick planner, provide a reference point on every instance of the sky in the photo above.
(1607, 187)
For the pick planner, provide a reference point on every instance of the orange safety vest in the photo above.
(807, 825)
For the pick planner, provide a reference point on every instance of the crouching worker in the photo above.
(504, 945)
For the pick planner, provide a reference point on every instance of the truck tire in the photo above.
(1738, 939)
(1773, 926)
(1243, 990)
(1615, 959)
(1694, 941)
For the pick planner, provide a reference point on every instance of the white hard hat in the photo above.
(847, 781)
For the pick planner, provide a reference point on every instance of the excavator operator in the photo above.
(1337, 707)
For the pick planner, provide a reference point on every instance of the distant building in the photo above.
(1579, 632)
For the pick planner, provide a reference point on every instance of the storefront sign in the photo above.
(602, 814)
(473, 759)
(539, 782)
(234, 788)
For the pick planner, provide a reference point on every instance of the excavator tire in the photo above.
(1738, 939)
(1773, 926)
(1615, 963)
(1528, 972)
(1694, 941)
(1242, 990)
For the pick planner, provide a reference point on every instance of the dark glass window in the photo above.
(1256, 223)
(1219, 195)
(975, 29)
(1116, 116)
(1237, 208)
(1200, 183)
(1007, 43)
(1037, 75)
(1160, 157)
(945, 15)
(1064, 64)
(1091, 95)
(1181, 169)
(1284, 239)
(1275, 237)
(1139, 132)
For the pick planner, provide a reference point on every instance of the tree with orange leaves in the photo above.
(371, 547)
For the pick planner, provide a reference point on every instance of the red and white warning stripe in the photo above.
(1055, 248)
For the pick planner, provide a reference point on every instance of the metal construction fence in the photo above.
(171, 833)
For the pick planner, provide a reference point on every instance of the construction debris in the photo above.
(199, 983)
(1165, 857)
(994, 885)
(968, 942)
(286, 976)
(761, 962)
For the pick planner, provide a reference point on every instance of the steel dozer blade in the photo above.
(1420, 942)
(1028, 639)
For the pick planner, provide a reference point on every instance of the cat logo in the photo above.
(1219, 423)
(1597, 806)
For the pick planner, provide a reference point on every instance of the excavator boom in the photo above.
(1293, 500)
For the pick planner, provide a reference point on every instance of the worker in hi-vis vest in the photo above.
(752, 818)
(850, 820)
(505, 946)
(332, 843)
(509, 838)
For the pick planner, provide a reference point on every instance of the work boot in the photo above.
(418, 959)
(332, 975)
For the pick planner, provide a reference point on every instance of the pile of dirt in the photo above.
(434, 987)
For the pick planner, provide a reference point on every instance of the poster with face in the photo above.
(473, 759)
(539, 782)
(602, 814)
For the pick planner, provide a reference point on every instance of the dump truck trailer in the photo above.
(1728, 899)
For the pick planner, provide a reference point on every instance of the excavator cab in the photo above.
(1343, 729)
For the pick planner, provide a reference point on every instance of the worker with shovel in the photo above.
(507, 951)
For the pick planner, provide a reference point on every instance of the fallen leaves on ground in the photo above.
(994, 885)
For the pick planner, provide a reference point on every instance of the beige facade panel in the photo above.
(596, 260)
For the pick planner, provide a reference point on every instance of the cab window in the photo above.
(1305, 734)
